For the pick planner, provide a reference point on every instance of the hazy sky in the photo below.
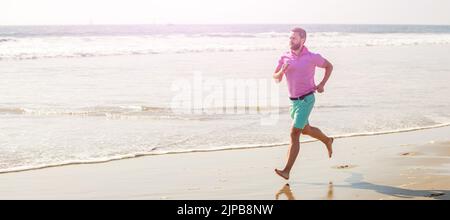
(30, 12)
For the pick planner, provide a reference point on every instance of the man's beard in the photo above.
(296, 46)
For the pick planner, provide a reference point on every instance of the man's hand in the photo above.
(320, 88)
(279, 72)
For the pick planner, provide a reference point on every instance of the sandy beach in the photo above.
(408, 165)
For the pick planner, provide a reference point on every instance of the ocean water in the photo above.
(82, 94)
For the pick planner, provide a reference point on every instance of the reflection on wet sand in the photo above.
(286, 190)
(330, 191)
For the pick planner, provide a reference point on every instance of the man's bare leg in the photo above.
(292, 153)
(318, 134)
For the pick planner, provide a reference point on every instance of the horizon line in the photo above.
(173, 24)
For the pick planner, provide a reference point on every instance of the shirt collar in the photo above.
(302, 52)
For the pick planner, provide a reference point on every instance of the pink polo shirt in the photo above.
(301, 70)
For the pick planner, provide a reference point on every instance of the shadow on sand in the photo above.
(356, 181)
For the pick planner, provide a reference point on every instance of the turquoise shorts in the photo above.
(300, 111)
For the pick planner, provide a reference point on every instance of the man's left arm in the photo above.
(328, 69)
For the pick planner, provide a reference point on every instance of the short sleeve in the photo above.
(318, 60)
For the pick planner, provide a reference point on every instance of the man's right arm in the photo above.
(279, 72)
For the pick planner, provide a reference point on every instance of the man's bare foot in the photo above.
(282, 174)
(330, 147)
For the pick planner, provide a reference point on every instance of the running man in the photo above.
(298, 65)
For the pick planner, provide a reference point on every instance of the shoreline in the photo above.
(227, 148)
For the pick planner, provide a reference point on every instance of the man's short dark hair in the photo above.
(300, 31)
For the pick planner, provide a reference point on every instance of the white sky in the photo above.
(39, 12)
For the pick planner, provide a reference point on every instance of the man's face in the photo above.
(296, 42)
